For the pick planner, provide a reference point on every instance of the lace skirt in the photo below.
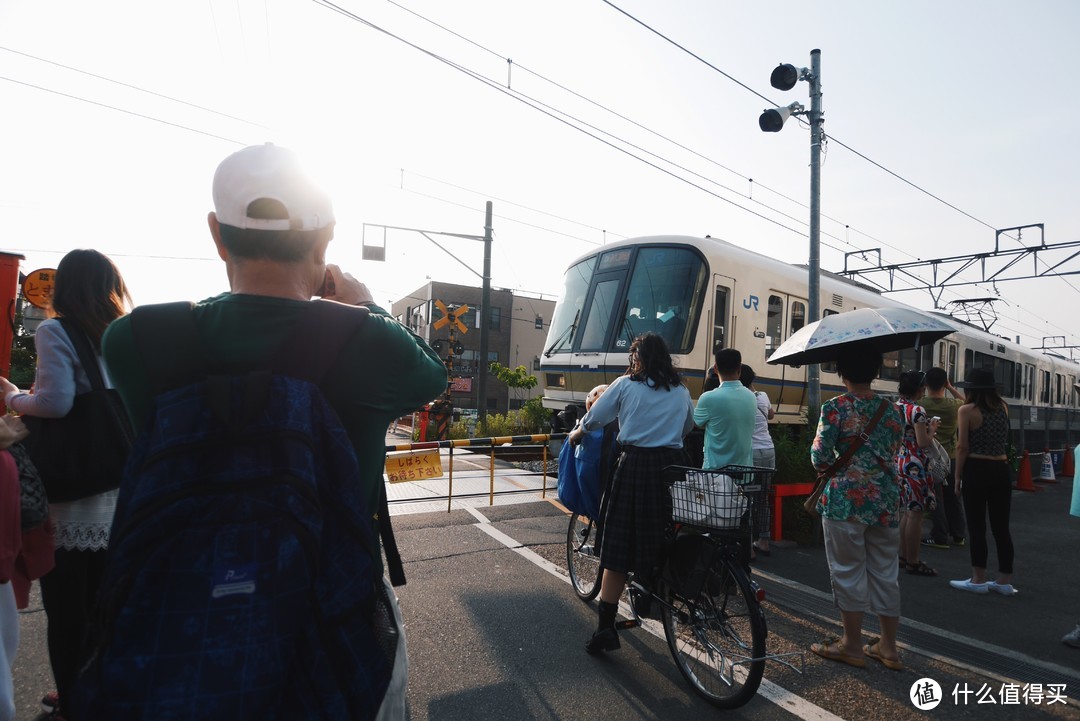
(83, 525)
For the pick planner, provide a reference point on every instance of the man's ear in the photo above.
(215, 233)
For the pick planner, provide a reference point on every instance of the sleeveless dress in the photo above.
(912, 464)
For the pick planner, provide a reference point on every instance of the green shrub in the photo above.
(534, 417)
(496, 424)
(792, 444)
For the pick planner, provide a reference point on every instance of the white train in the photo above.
(703, 293)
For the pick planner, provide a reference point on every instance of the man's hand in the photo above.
(345, 288)
(576, 435)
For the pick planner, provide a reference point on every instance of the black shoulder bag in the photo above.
(83, 453)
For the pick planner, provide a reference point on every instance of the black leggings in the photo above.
(987, 490)
(67, 592)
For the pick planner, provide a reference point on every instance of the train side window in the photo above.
(798, 316)
(1059, 389)
(829, 367)
(774, 324)
(1044, 387)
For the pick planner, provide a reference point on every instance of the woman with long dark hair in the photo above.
(982, 480)
(89, 291)
(655, 413)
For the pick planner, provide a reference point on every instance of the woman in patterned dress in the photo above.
(913, 466)
(859, 510)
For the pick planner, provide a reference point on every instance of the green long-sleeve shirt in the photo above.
(386, 370)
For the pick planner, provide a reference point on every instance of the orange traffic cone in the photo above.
(1046, 471)
(1023, 479)
(1068, 467)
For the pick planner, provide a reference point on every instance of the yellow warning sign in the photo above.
(413, 466)
(37, 288)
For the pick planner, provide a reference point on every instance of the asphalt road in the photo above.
(495, 631)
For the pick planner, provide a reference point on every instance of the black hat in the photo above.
(978, 379)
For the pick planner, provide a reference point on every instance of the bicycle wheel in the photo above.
(717, 638)
(582, 557)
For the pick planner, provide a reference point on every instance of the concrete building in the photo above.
(518, 328)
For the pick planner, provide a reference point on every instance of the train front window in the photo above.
(664, 297)
(568, 312)
(599, 317)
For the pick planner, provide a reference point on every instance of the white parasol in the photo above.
(884, 329)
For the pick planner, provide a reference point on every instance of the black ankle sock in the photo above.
(607, 612)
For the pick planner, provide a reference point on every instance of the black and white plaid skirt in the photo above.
(637, 509)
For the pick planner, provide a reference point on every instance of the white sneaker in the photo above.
(1005, 589)
(1072, 638)
(967, 585)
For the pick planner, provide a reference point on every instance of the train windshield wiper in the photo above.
(564, 336)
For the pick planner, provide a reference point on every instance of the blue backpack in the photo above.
(243, 578)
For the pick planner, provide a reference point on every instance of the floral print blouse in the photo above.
(866, 490)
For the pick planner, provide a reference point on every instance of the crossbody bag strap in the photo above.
(87, 356)
(857, 443)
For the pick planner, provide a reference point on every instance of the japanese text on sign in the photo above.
(413, 466)
(37, 288)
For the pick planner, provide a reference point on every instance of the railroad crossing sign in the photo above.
(37, 288)
(450, 316)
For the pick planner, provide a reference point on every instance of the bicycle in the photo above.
(709, 606)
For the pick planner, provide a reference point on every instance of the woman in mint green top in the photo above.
(859, 510)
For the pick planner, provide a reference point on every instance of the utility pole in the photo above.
(485, 322)
(785, 77)
(485, 311)
(813, 371)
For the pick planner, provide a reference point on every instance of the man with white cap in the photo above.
(271, 226)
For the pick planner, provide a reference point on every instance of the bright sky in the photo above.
(116, 114)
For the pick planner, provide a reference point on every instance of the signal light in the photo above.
(784, 76)
(771, 121)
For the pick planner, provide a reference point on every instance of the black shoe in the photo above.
(604, 640)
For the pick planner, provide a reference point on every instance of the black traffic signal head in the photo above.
(784, 77)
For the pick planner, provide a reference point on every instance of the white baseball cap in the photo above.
(271, 174)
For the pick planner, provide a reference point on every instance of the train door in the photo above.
(947, 355)
(785, 315)
(723, 331)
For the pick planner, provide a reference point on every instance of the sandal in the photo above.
(871, 651)
(920, 569)
(830, 648)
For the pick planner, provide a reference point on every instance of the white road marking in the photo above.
(790, 702)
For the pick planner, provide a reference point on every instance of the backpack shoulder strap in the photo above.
(311, 350)
(168, 330)
(317, 340)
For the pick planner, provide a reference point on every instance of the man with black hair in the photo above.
(271, 226)
(727, 415)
